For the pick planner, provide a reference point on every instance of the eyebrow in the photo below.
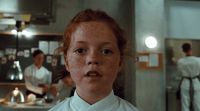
(84, 42)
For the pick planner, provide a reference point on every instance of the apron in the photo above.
(191, 90)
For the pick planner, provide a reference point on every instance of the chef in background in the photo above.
(37, 77)
(189, 66)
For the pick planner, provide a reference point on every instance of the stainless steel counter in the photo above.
(25, 107)
(6, 88)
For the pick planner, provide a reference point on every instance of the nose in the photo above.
(93, 58)
(93, 62)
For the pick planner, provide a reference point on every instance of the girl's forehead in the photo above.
(94, 28)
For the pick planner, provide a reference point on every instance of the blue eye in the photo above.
(106, 51)
(80, 51)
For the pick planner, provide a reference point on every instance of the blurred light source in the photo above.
(26, 33)
(14, 31)
(151, 42)
(15, 72)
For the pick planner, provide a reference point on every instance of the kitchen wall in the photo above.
(183, 19)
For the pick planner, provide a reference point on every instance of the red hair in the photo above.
(89, 15)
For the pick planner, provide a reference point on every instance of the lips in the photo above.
(93, 74)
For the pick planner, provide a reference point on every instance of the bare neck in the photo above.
(38, 66)
(189, 53)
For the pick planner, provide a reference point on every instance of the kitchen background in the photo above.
(24, 54)
(47, 23)
(171, 19)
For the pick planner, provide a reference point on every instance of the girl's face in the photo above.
(93, 57)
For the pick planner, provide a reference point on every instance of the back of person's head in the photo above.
(62, 74)
(186, 47)
(37, 52)
(65, 73)
(66, 78)
(90, 15)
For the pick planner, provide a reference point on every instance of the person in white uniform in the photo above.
(189, 66)
(94, 49)
(37, 77)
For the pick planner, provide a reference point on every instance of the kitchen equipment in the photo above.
(48, 98)
(16, 96)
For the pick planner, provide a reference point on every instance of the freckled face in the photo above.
(93, 57)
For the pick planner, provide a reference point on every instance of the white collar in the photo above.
(80, 105)
(34, 67)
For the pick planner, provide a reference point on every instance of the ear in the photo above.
(66, 63)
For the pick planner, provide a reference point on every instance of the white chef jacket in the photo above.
(109, 103)
(189, 66)
(35, 76)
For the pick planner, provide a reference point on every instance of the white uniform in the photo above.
(190, 67)
(35, 76)
(109, 103)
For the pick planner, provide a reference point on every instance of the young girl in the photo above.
(94, 50)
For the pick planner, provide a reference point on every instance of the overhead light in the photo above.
(26, 33)
(14, 31)
(15, 72)
(19, 29)
(151, 42)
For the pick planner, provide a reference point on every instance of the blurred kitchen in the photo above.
(28, 25)
(156, 29)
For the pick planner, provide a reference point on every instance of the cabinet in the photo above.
(173, 104)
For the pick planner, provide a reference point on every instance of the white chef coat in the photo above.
(109, 103)
(35, 76)
(190, 67)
